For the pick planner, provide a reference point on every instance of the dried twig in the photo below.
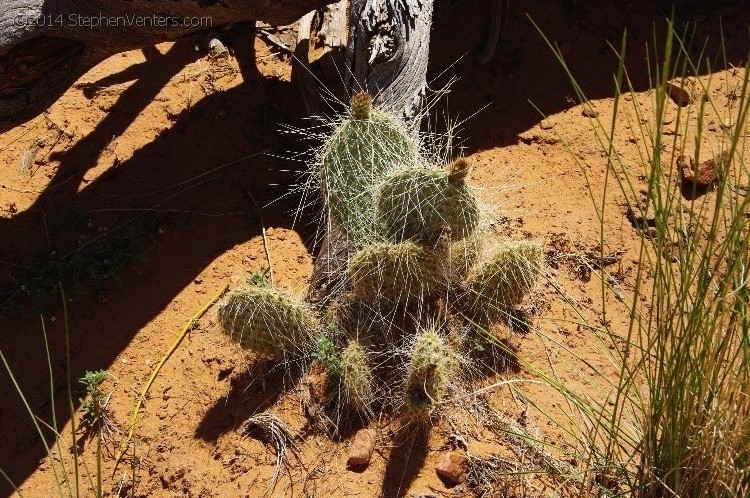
(250, 196)
(144, 392)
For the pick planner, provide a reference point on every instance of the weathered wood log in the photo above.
(387, 55)
(389, 51)
(45, 45)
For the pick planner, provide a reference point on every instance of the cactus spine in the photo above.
(268, 321)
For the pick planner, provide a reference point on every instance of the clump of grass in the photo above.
(68, 475)
(678, 422)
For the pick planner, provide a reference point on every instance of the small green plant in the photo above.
(259, 278)
(95, 419)
(97, 260)
(95, 403)
(325, 351)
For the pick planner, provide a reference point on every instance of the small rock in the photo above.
(727, 124)
(679, 95)
(453, 468)
(546, 125)
(589, 111)
(641, 218)
(668, 120)
(706, 174)
(362, 447)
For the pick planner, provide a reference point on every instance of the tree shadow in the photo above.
(193, 174)
(497, 97)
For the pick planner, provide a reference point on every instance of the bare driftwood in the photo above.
(45, 45)
(387, 55)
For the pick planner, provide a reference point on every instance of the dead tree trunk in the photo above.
(45, 45)
(387, 55)
(389, 50)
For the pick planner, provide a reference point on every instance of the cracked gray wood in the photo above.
(387, 55)
(46, 45)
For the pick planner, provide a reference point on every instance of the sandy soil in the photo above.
(169, 143)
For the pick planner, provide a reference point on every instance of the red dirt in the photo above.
(130, 139)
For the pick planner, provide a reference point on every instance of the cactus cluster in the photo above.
(417, 244)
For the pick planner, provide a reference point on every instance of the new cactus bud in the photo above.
(268, 321)
(356, 376)
(459, 170)
(361, 105)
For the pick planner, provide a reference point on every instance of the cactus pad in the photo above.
(356, 376)
(394, 273)
(416, 202)
(359, 153)
(430, 367)
(503, 280)
(268, 321)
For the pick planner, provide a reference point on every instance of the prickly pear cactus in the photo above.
(417, 259)
(268, 321)
(362, 149)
